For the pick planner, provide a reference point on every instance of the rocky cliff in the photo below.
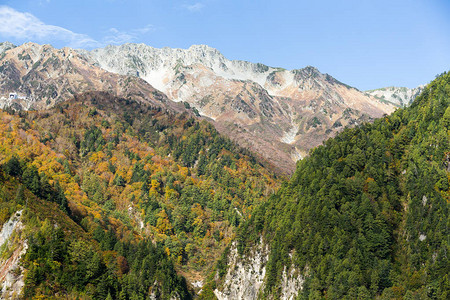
(246, 276)
(11, 277)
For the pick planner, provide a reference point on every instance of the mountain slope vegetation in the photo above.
(131, 173)
(62, 260)
(366, 215)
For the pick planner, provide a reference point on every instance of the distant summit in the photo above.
(42, 76)
(6, 46)
(399, 96)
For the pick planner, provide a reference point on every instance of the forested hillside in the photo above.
(60, 259)
(366, 215)
(128, 175)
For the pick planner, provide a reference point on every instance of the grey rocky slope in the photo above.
(6, 46)
(400, 96)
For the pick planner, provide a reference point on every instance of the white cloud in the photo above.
(194, 7)
(118, 37)
(25, 26)
(145, 29)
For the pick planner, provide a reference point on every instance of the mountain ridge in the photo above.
(278, 113)
(400, 96)
(41, 76)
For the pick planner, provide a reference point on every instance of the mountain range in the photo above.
(42, 76)
(277, 113)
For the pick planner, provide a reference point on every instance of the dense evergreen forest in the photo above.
(366, 215)
(148, 189)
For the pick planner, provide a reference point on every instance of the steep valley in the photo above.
(125, 172)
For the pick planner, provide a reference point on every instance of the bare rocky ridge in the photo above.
(277, 113)
(400, 96)
(36, 76)
(246, 275)
(5, 46)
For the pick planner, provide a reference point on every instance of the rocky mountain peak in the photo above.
(6, 46)
(34, 76)
(204, 49)
(309, 70)
(399, 96)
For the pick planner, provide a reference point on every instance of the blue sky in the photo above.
(366, 44)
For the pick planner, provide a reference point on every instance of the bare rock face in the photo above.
(5, 46)
(36, 76)
(399, 96)
(245, 277)
(11, 273)
(277, 113)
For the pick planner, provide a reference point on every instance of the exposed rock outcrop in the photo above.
(11, 273)
(245, 277)
(400, 96)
